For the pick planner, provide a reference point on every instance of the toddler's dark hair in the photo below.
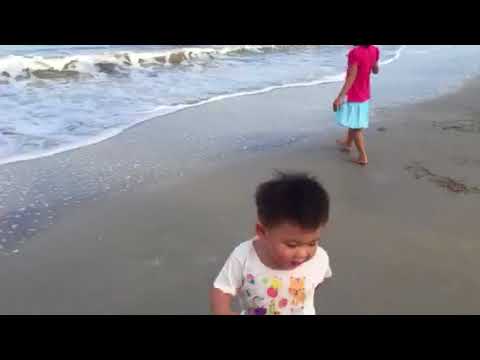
(296, 198)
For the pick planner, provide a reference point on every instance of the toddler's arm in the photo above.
(227, 284)
(220, 303)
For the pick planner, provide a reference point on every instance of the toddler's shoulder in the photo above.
(242, 251)
(321, 255)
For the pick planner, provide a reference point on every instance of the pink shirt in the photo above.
(365, 58)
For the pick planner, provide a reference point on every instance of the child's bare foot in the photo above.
(344, 146)
(360, 161)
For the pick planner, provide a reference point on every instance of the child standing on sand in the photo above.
(277, 272)
(353, 114)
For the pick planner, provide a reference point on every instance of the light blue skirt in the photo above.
(353, 115)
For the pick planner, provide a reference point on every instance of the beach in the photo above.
(141, 225)
(399, 241)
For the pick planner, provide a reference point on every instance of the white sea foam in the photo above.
(18, 65)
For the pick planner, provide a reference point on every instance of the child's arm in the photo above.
(227, 284)
(376, 68)
(351, 76)
(220, 303)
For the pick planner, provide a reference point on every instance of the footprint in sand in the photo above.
(465, 125)
(448, 183)
(466, 161)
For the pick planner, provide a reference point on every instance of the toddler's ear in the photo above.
(260, 230)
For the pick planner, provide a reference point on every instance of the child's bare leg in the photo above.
(360, 144)
(346, 143)
(350, 138)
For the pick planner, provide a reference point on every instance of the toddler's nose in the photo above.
(302, 254)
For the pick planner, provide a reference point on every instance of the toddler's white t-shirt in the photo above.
(264, 291)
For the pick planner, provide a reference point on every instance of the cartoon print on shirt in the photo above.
(268, 296)
(272, 309)
(257, 308)
(297, 290)
(282, 303)
(275, 285)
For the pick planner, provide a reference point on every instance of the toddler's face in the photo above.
(289, 245)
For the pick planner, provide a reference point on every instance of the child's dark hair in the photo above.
(296, 198)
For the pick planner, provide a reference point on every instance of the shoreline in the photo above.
(171, 109)
(327, 82)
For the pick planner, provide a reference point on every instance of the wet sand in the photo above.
(403, 238)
